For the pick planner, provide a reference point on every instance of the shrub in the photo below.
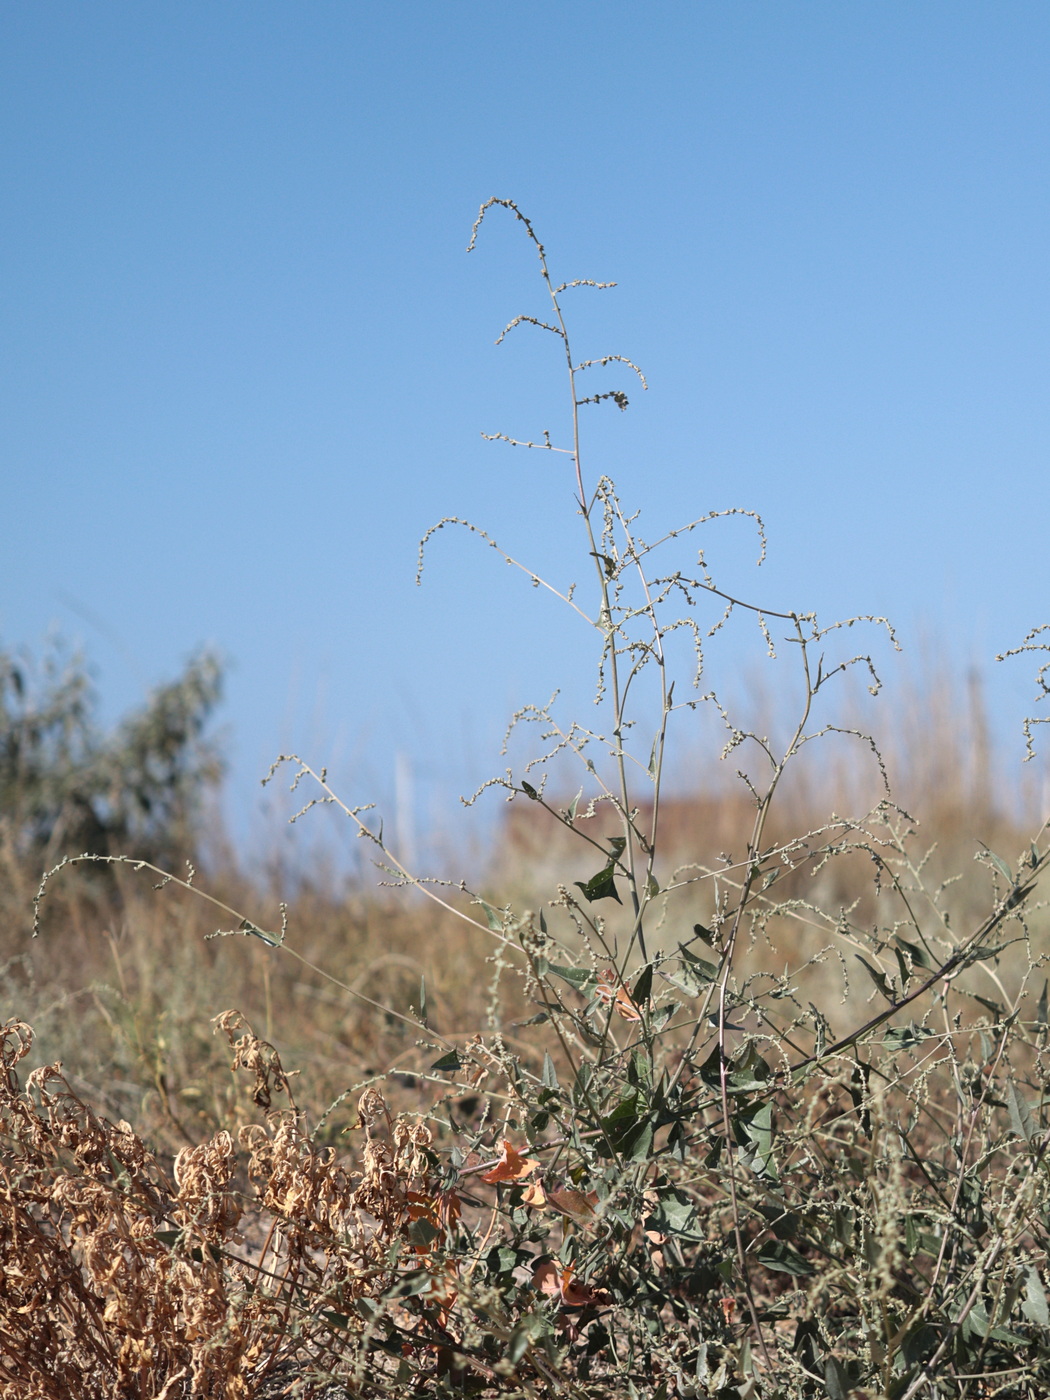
(67, 788)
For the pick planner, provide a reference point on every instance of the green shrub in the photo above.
(68, 788)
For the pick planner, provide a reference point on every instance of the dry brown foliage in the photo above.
(245, 1268)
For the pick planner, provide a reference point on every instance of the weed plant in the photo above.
(752, 1112)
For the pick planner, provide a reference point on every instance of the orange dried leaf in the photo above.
(535, 1196)
(574, 1203)
(609, 990)
(560, 1283)
(512, 1166)
(443, 1208)
(578, 1295)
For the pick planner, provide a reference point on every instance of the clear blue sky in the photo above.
(246, 361)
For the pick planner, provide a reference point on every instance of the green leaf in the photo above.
(694, 974)
(677, 1141)
(1041, 1009)
(902, 967)
(529, 1329)
(628, 1128)
(639, 1070)
(578, 977)
(550, 1074)
(422, 1233)
(529, 790)
(978, 1324)
(600, 886)
(782, 1259)
(661, 1015)
(754, 1129)
(644, 986)
(518, 1343)
(1034, 1306)
(983, 952)
(748, 1071)
(783, 1222)
(418, 1281)
(639, 1145)
(652, 886)
(1020, 1114)
(836, 1379)
(423, 1000)
(904, 1037)
(918, 954)
(493, 917)
(674, 1215)
(582, 1082)
(919, 1343)
(625, 1112)
(1000, 865)
(842, 1225)
(500, 1260)
(992, 1006)
(536, 1020)
(879, 978)
(617, 846)
(448, 1063)
(711, 1069)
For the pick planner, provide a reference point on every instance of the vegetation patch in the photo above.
(748, 1105)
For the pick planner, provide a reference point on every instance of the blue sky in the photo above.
(247, 362)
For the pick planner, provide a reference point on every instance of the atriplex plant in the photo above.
(676, 1176)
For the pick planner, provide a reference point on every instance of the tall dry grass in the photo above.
(123, 980)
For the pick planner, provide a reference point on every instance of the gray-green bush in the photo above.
(67, 787)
